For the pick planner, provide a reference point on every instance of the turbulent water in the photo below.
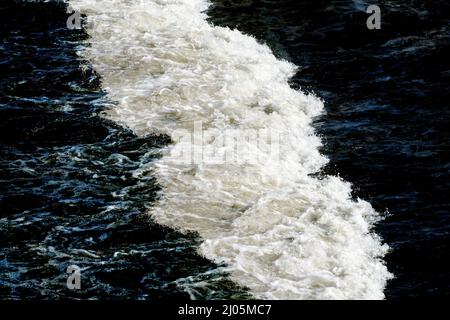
(110, 132)
(386, 93)
(69, 195)
(280, 231)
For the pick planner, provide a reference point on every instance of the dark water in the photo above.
(387, 128)
(67, 190)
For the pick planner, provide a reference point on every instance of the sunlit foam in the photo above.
(280, 231)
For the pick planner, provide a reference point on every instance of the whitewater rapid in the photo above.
(279, 230)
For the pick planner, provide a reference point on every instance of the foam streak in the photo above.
(280, 232)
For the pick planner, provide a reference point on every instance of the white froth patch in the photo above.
(281, 232)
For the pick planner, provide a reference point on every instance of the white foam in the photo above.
(281, 232)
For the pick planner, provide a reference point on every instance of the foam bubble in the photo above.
(280, 232)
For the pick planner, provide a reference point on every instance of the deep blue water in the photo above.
(386, 131)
